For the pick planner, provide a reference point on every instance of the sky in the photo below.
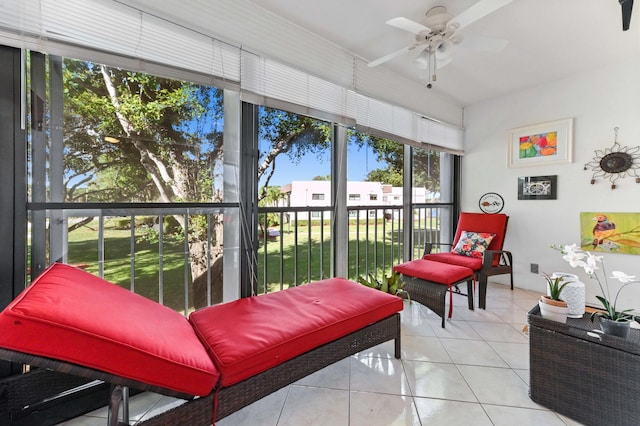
(359, 163)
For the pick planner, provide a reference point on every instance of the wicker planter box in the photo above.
(589, 379)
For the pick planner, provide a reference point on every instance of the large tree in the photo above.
(132, 136)
(136, 137)
(426, 163)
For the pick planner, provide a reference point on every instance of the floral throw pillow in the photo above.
(473, 244)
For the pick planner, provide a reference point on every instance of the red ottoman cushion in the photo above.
(441, 273)
(73, 316)
(455, 259)
(251, 335)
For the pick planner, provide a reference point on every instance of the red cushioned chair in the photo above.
(494, 260)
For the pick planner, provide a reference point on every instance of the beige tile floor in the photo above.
(473, 372)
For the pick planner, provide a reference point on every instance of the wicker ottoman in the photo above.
(427, 282)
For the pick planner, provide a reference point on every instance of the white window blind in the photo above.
(390, 121)
(318, 79)
(442, 135)
(114, 28)
(273, 84)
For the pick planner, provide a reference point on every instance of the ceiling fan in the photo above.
(436, 37)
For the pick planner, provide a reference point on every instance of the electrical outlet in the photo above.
(534, 268)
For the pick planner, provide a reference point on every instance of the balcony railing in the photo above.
(145, 250)
(297, 249)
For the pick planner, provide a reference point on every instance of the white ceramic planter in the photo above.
(573, 293)
(554, 313)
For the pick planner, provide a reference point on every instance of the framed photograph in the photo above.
(537, 187)
(541, 144)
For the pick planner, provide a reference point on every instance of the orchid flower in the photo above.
(622, 277)
(590, 265)
(589, 262)
(572, 256)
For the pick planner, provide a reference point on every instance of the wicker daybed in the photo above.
(221, 359)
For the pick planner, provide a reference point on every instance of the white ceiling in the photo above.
(548, 39)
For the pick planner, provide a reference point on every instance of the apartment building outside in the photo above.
(374, 199)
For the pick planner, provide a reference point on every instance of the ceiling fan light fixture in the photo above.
(443, 50)
(422, 60)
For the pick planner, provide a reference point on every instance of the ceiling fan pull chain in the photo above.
(435, 58)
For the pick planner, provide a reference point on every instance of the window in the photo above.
(315, 215)
(426, 176)
(354, 197)
(317, 196)
(373, 197)
(102, 157)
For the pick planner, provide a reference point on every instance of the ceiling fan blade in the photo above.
(422, 58)
(392, 55)
(478, 11)
(484, 43)
(408, 25)
(441, 63)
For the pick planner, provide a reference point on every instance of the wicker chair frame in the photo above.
(25, 389)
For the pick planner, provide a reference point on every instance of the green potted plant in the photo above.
(551, 305)
(391, 284)
(612, 320)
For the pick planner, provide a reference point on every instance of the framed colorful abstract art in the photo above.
(540, 144)
(610, 232)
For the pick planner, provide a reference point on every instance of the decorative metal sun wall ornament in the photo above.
(615, 162)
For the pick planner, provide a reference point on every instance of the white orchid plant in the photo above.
(589, 262)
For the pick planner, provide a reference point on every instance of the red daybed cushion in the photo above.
(70, 315)
(251, 335)
(437, 272)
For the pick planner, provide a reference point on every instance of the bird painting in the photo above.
(602, 230)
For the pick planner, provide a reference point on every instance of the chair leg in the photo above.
(482, 292)
(119, 395)
(470, 294)
(511, 275)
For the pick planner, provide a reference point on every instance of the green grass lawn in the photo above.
(307, 256)
(285, 261)
(83, 249)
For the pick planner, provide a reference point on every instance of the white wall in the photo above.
(598, 100)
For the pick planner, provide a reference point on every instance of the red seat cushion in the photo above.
(455, 259)
(70, 315)
(441, 273)
(251, 335)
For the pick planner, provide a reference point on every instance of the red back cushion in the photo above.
(482, 222)
(251, 335)
(70, 315)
